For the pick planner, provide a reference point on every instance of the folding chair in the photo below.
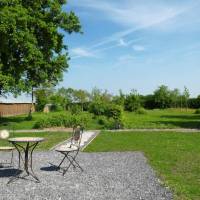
(71, 150)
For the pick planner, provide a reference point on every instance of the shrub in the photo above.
(110, 114)
(98, 107)
(132, 101)
(75, 109)
(141, 111)
(56, 108)
(107, 123)
(63, 119)
(197, 111)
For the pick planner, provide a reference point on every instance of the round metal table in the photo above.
(27, 146)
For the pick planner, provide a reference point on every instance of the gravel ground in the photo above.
(106, 176)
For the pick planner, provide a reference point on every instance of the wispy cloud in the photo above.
(142, 13)
(81, 52)
(132, 16)
(122, 42)
(138, 47)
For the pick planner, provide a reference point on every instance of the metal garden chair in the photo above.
(71, 150)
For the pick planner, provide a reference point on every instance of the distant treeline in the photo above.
(72, 99)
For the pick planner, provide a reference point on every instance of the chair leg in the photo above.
(70, 163)
(62, 161)
(74, 161)
(11, 161)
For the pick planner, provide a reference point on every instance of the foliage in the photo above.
(162, 97)
(132, 101)
(81, 97)
(32, 51)
(141, 111)
(64, 119)
(106, 122)
(98, 107)
(42, 98)
(197, 111)
(119, 99)
(75, 109)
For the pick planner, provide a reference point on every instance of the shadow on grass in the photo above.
(180, 124)
(187, 117)
(8, 120)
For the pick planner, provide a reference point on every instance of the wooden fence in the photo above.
(12, 109)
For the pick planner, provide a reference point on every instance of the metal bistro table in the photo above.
(26, 145)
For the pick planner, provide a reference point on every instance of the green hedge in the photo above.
(63, 120)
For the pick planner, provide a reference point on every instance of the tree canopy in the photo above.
(32, 50)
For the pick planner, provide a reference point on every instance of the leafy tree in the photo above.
(148, 101)
(162, 97)
(119, 99)
(81, 96)
(100, 96)
(42, 98)
(132, 101)
(32, 51)
(186, 95)
(175, 98)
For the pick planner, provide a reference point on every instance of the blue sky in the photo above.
(135, 44)
(138, 44)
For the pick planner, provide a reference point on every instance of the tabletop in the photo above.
(26, 139)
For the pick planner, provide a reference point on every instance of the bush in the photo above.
(111, 115)
(141, 111)
(63, 120)
(56, 108)
(107, 123)
(197, 111)
(75, 109)
(98, 107)
(132, 102)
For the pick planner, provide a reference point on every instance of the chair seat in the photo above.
(7, 148)
(66, 148)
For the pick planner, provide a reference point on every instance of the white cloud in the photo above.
(133, 15)
(137, 13)
(81, 52)
(138, 48)
(122, 42)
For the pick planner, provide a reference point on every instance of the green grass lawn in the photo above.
(168, 118)
(51, 138)
(20, 122)
(174, 156)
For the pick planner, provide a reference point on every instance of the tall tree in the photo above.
(186, 96)
(162, 97)
(81, 96)
(132, 101)
(32, 51)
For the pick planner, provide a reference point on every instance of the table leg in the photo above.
(28, 162)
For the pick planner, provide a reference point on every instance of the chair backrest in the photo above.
(76, 136)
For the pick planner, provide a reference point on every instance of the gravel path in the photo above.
(106, 176)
